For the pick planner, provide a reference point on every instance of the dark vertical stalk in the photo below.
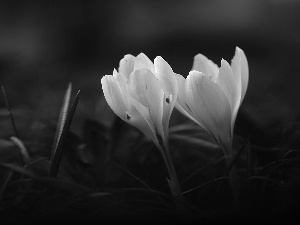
(10, 112)
(173, 182)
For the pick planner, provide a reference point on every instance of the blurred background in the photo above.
(44, 45)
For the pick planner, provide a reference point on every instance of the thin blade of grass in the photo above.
(135, 177)
(281, 163)
(55, 162)
(194, 141)
(248, 161)
(161, 194)
(18, 169)
(231, 165)
(10, 112)
(131, 174)
(23, 151)
(62, 118)
(62, 184)
(263, 178)
(205, 184)
(195, 173)
(289, 153)
(4, 185)
(237, 156)
(39, 160)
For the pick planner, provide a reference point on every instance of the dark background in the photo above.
(44, 45)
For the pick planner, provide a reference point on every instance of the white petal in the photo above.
(206, 66)
(167, 79)
(182, 104)
(209, 105)
(236, 70)
(113, 95)
(244, 72)
(120, 77)
(125, 107)
(126, 65)
(143, 62)
(240, 70)
(229, 85)
(165, 75)
(146, 89)
(139, 117)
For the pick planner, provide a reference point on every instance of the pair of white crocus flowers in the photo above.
(144, 94)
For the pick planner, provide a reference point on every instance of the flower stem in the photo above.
(173, 182)
(232, 172)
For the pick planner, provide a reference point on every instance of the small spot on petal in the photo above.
(169, 99)
(128, 116)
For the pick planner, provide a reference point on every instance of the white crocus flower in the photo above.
(143, 94)
(211, 96)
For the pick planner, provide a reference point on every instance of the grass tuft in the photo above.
(62, 118)
(55, 162)
(10, 112)
(23, 151)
